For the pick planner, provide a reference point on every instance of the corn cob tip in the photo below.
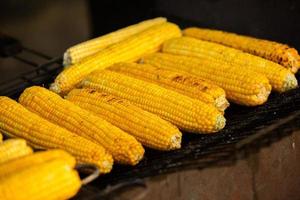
(67, 59)
(55, 88)
(107, 165)
(220, 123)
(221, 103)
(175, 141)
(263, 94)
(290, 82)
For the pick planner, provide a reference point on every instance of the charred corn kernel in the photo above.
(17, 121)
(130, 49)
(280, 78)
(241, 86)
(34, 159)
(76, 53)
(53, 180)
(147, 128)
(274, 51)
(123, 147)
(12, 149)
(183, 83)
(186, 113)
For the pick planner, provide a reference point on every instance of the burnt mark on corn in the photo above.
(178, 78)
(205, 88)
(92, 91)
(114, 100)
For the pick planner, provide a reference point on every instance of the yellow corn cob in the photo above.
(34, 159)
(17, 121)
(1, 137)
(12, 149)
(183, 83)
(280, 78)
(129, 49)
(78, 52)
(52, 180)
(123, 147)
(241, 86)
(274, 51)
(149, 129)
(186, 113)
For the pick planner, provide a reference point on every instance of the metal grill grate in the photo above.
(247, 130)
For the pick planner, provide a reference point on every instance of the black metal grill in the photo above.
(247, 130)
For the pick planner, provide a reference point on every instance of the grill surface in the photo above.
(247, 130)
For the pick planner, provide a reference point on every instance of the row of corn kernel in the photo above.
(280, 78)
(147, 128)
(78, 52)
(186, 113)
(186, 84)
(241, 86)
(17, 121)
(274, 51)
(130, 49)
(123, 147)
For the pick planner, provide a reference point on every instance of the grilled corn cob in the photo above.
(17, 121)
(12, 149)
(274, 51)
(241, 86)
(78, 52)
(184, 112)
(34, 159)
(52, 180)
(280, 78)
(183, 83)
(123, 147)
(130, 49)
(1, 137)
(149, 129)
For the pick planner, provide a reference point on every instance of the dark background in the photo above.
(271, 19)
(51, 26)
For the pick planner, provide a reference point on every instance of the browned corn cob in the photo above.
(52, 180)
(34, 159)
(186, 113)
(149, 129)
(17, 121)
(76, 53)
(274, 51)
(280, 78)
(12, 149)
(242, 86)
(130, 49)
(123, 147)
(186, 84)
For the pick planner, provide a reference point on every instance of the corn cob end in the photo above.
(55, 88)
(259, 98)
(136, 155)
(290, 82)
(263, 95)
(106, 166)
(221, 103)
(175, 141)
(67, 59)
(220, 123)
